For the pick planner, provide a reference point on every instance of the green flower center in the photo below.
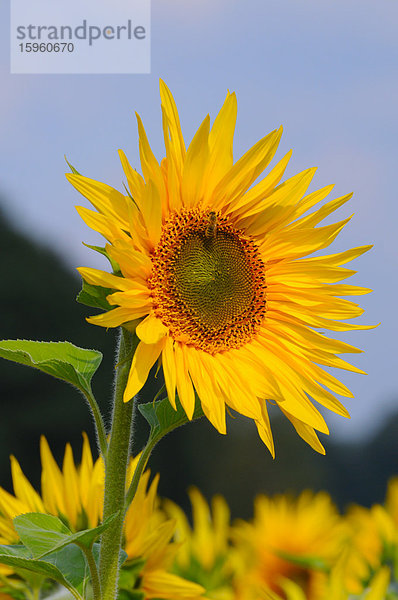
(208, 281)
(213, 279)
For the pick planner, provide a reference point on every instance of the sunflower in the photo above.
(75, 494)
(372, 545)
(217, 271)
(205, 554)
(291, 542)
(148, 534)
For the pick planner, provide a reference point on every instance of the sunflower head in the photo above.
(75, 494)
(293, 540)
(215, 268)
(205, 554)
(372, 545)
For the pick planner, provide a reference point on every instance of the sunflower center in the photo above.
(212, 278)
(208, 281)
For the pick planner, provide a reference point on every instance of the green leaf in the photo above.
(18, 551)
(71, 563)
(40, 567)
(87, 537)
(41, 533)
(162, 417)
(44, 534)
(32, 579)
(60, 359)
(94, 295)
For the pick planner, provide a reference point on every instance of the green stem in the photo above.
(92, 565)
(139, 469)
(115, 472)
(99, 424)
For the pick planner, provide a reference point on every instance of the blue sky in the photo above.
(327, 71)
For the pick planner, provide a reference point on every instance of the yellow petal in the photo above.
(203, 379)
(221, 145)
(340, 258)
(153, 212)
(144, 358)
(150, 166)
(306, 432)
(173, 134)
(320, 214)
(104, 198)
(151, 330)
(379, 584)
(118, 316)
(256, 199)
(134, 179)
(104, 225)
(264, 429)
(104, 279)
(52, 482)
(23, 488)
(279, 204)
(72, 497)
(86, 468)
(136, 300)
(300, 242)
(195, 166)
(94, 503)
(169, 370)
(159, 584)
(133, 264)
(185, 389)
(173, 177)
(246, 170)
(10, 507)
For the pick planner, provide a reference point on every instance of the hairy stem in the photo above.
(99, 424)
(116, 468)
(95, 582)
(139, 470)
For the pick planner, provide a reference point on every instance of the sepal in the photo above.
(94, 296)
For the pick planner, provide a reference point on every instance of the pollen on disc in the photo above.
(208, 289)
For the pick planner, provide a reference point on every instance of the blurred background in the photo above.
(327, 71)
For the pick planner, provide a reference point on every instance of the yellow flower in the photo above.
(372, 538)
(218, 270)
(75, 494)
(289, 540)
(147, 535)
(205, 555)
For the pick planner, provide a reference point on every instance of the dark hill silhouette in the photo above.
(37, 303)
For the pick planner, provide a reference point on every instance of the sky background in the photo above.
(327, 70)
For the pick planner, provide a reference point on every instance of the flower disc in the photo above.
(208, 282)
